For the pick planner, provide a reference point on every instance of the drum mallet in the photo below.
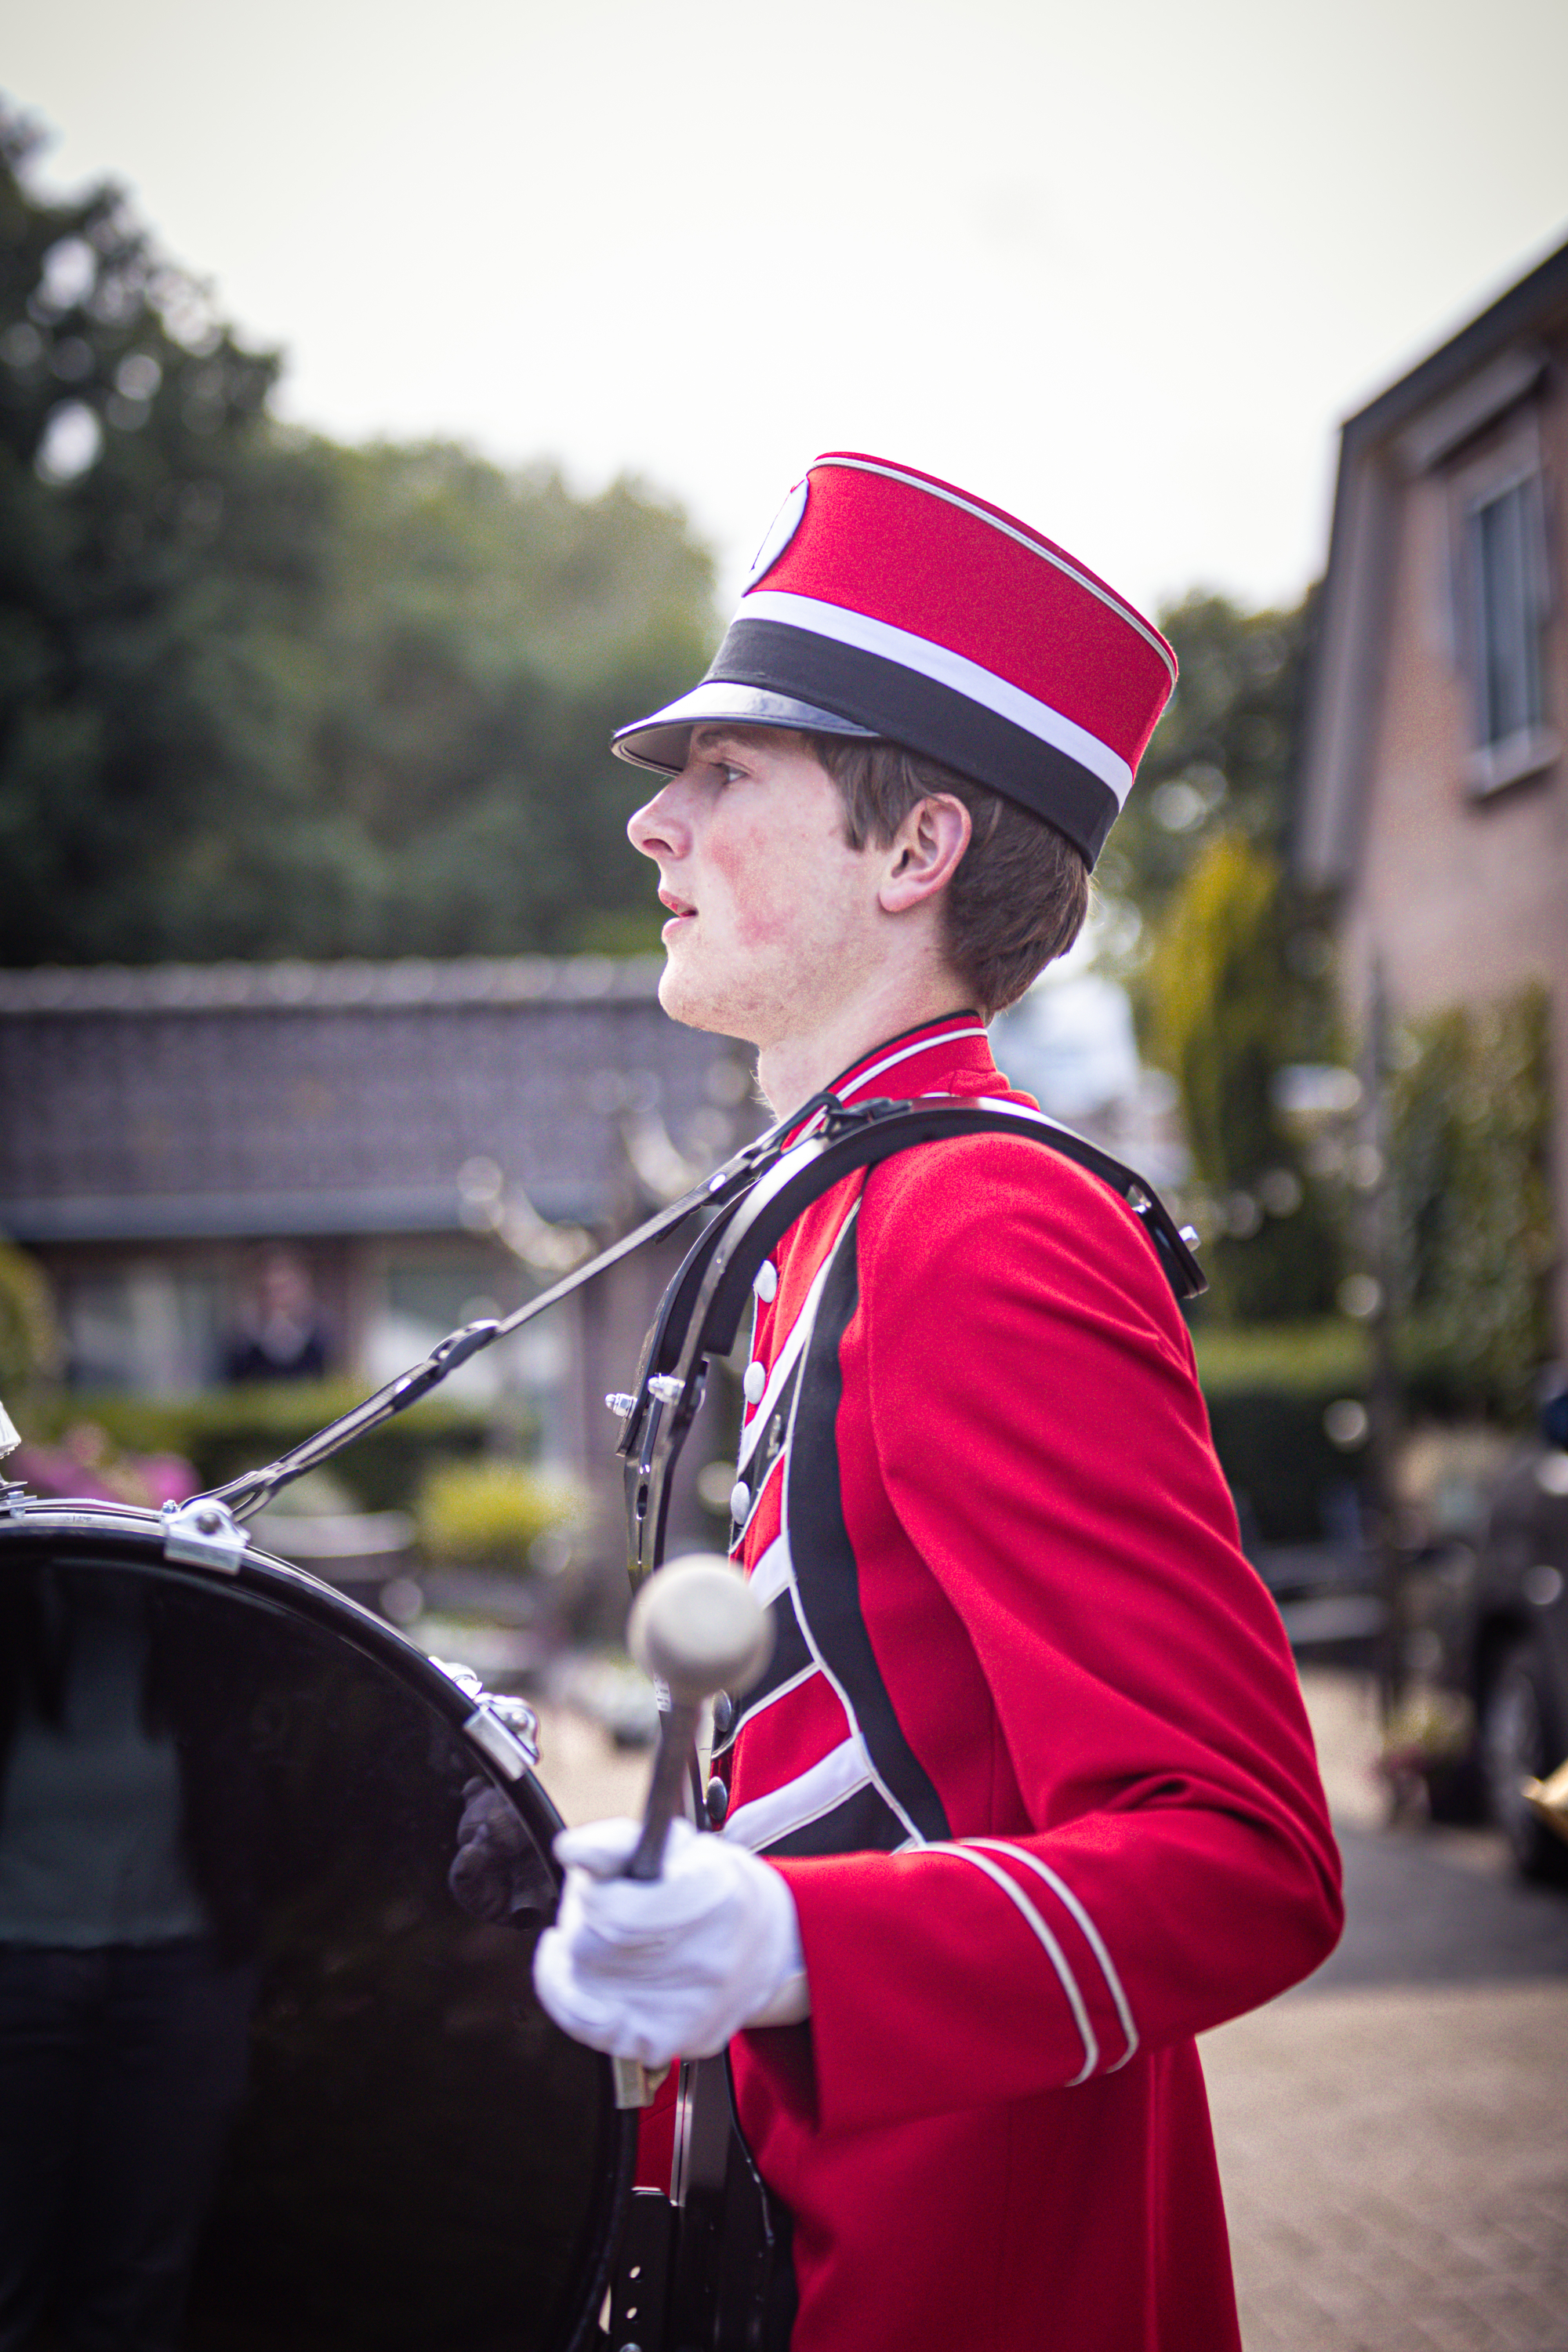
(695, 1629)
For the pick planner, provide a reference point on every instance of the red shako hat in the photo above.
(884, 603)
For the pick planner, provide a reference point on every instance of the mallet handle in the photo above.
(677, 1746)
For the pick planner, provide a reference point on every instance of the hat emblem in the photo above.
(780, 532)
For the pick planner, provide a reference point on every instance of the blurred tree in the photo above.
(1227, 968)
(1222, 1011)
(150, 537)
(484, 634)
(1221, 757)
(263, 696)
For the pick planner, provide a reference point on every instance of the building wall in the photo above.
(1463, 894)
(161, 1130)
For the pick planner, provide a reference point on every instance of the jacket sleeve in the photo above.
(1162, 1858)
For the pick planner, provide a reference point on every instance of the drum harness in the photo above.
(712, 2258)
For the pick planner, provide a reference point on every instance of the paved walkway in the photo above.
(1396, 2170)
(1394, 2135)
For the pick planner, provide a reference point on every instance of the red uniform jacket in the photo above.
(1030, 1753)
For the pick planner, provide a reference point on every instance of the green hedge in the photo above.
(1289, 1359)
(492, 1514)
(1268, 1387)
(229, 1430)
(1471, 1191)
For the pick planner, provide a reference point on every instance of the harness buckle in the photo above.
(846, 1118)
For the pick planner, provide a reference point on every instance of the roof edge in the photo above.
(1514, 311)
(423, 1211)
(410, 983)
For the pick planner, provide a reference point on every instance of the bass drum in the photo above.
(264, 2082)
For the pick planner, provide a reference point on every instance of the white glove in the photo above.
(653, 1969)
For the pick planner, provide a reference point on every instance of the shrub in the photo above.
(1222, 1010)
(228, 1431)
(1292, 1358)
(493, 1512)
(1472, 1198)
(30, 1349)
(1268, 1388)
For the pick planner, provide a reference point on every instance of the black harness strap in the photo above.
(699, 1313)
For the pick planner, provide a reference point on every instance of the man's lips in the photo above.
(681, 909)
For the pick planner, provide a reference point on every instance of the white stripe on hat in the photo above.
(943, 667)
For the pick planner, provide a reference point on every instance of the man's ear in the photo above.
(920, 858)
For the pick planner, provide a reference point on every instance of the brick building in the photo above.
(1435, 787)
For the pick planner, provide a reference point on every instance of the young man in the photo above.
(1029, 1769)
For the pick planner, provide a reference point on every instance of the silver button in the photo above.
(753, 1382)
(766, 1280)
(740, 1500)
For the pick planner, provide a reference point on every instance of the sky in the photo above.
(1122, 270)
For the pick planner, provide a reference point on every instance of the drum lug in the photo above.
(504, 1726)
(205, 1532)
(505, 1749)
(468, 1682)
(518, 1718)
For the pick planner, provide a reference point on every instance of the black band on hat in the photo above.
(925, 715)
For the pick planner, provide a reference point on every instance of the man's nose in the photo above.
(658, 828)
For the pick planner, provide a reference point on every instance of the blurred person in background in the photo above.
(282, 1333)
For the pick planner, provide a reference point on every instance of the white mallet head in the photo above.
(697, 1627)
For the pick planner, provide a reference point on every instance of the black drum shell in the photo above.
(414, 2156)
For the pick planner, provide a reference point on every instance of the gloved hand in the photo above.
(498, 1872)
(671, 1966)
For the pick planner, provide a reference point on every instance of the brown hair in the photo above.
(1020, 893)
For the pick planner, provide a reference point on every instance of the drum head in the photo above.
(263, 2082)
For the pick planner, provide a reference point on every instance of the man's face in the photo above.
(773, 917)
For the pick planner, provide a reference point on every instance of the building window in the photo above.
(1506, 551)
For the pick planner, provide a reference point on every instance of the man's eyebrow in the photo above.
(714, 735)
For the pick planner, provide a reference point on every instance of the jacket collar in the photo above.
(947, 1056)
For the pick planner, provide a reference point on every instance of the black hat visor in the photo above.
(662, 739)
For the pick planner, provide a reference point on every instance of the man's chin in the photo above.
(685, 999)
